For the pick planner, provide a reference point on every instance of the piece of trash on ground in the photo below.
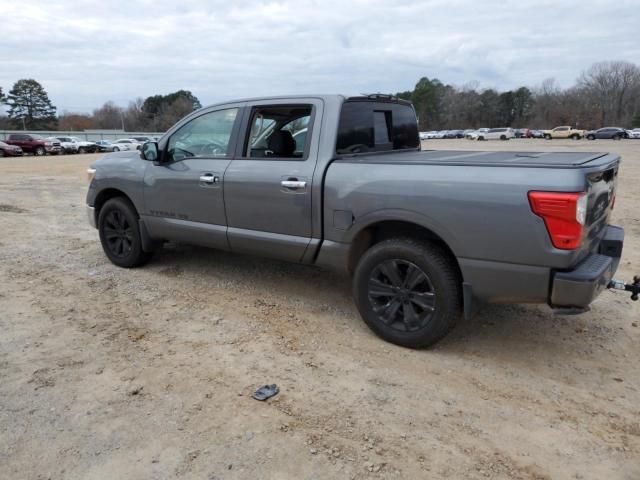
(265, 392)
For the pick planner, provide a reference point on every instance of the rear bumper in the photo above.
(580, 286)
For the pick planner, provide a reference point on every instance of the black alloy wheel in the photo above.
(402, 295)
(408, 291)
(118, 234)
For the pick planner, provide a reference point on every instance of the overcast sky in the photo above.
(85, 53)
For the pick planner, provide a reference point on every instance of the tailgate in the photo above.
(601, 194)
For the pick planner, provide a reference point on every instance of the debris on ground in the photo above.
(265, 392)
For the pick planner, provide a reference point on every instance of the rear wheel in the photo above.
(408, 292)
(591, 137)
(503, 137)
(120, 233)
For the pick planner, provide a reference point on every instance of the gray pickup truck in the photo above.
(341, 182)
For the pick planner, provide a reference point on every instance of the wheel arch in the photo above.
(379, 229)
(107, 194)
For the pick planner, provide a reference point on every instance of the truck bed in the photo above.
(487, 159)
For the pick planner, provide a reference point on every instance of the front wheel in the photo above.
(40, 151)
(591, 137)
(116, 149)
(547, 137)
(408, 292)
(120, 233)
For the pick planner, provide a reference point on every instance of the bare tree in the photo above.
(109, 116)
(612, 89)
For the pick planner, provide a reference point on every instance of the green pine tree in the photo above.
(30, 107)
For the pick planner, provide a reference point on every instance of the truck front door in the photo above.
(183, 194)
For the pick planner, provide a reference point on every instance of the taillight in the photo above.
(564, 215)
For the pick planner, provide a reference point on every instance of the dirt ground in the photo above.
(108, 373)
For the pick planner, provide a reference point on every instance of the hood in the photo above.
(118, 159)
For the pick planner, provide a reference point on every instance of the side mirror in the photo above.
(149, 151)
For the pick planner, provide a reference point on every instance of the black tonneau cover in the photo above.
(476, 158)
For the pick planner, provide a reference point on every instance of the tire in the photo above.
(503, 137)
(547, 136)
(116, 149)
(480, 139)
(434, 305)
(575, 137)
(82, 150)
(617, 137)
(1, 153)
(120, 234)
(591, 137)
(40, 151)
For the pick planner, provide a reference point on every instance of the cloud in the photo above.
(86, 53)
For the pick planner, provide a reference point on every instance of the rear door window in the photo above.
(279, 132)
(370, 126)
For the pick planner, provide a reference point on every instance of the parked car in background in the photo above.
(55, 151)
(522, 133)
(7, 150)
(497, 134)
(143, 139)
(635, 133)
(454, 134)
(423, 135)
(476, 133)
(105, 146)
(84, 146)
(68, 145)
(32, 143)
(564, 132)
(125, 144)
(537, 134)
(610, 133)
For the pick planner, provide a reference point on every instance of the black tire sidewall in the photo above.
(442, 274)
(137, 256)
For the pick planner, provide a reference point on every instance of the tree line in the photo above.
(29, 108)
(605, 94)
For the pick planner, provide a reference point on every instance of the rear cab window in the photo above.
(367, 126)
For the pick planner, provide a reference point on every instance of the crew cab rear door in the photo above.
(268, 185)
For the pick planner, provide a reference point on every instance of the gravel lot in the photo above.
(147, 373)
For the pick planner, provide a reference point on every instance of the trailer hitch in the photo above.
(634, 287)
